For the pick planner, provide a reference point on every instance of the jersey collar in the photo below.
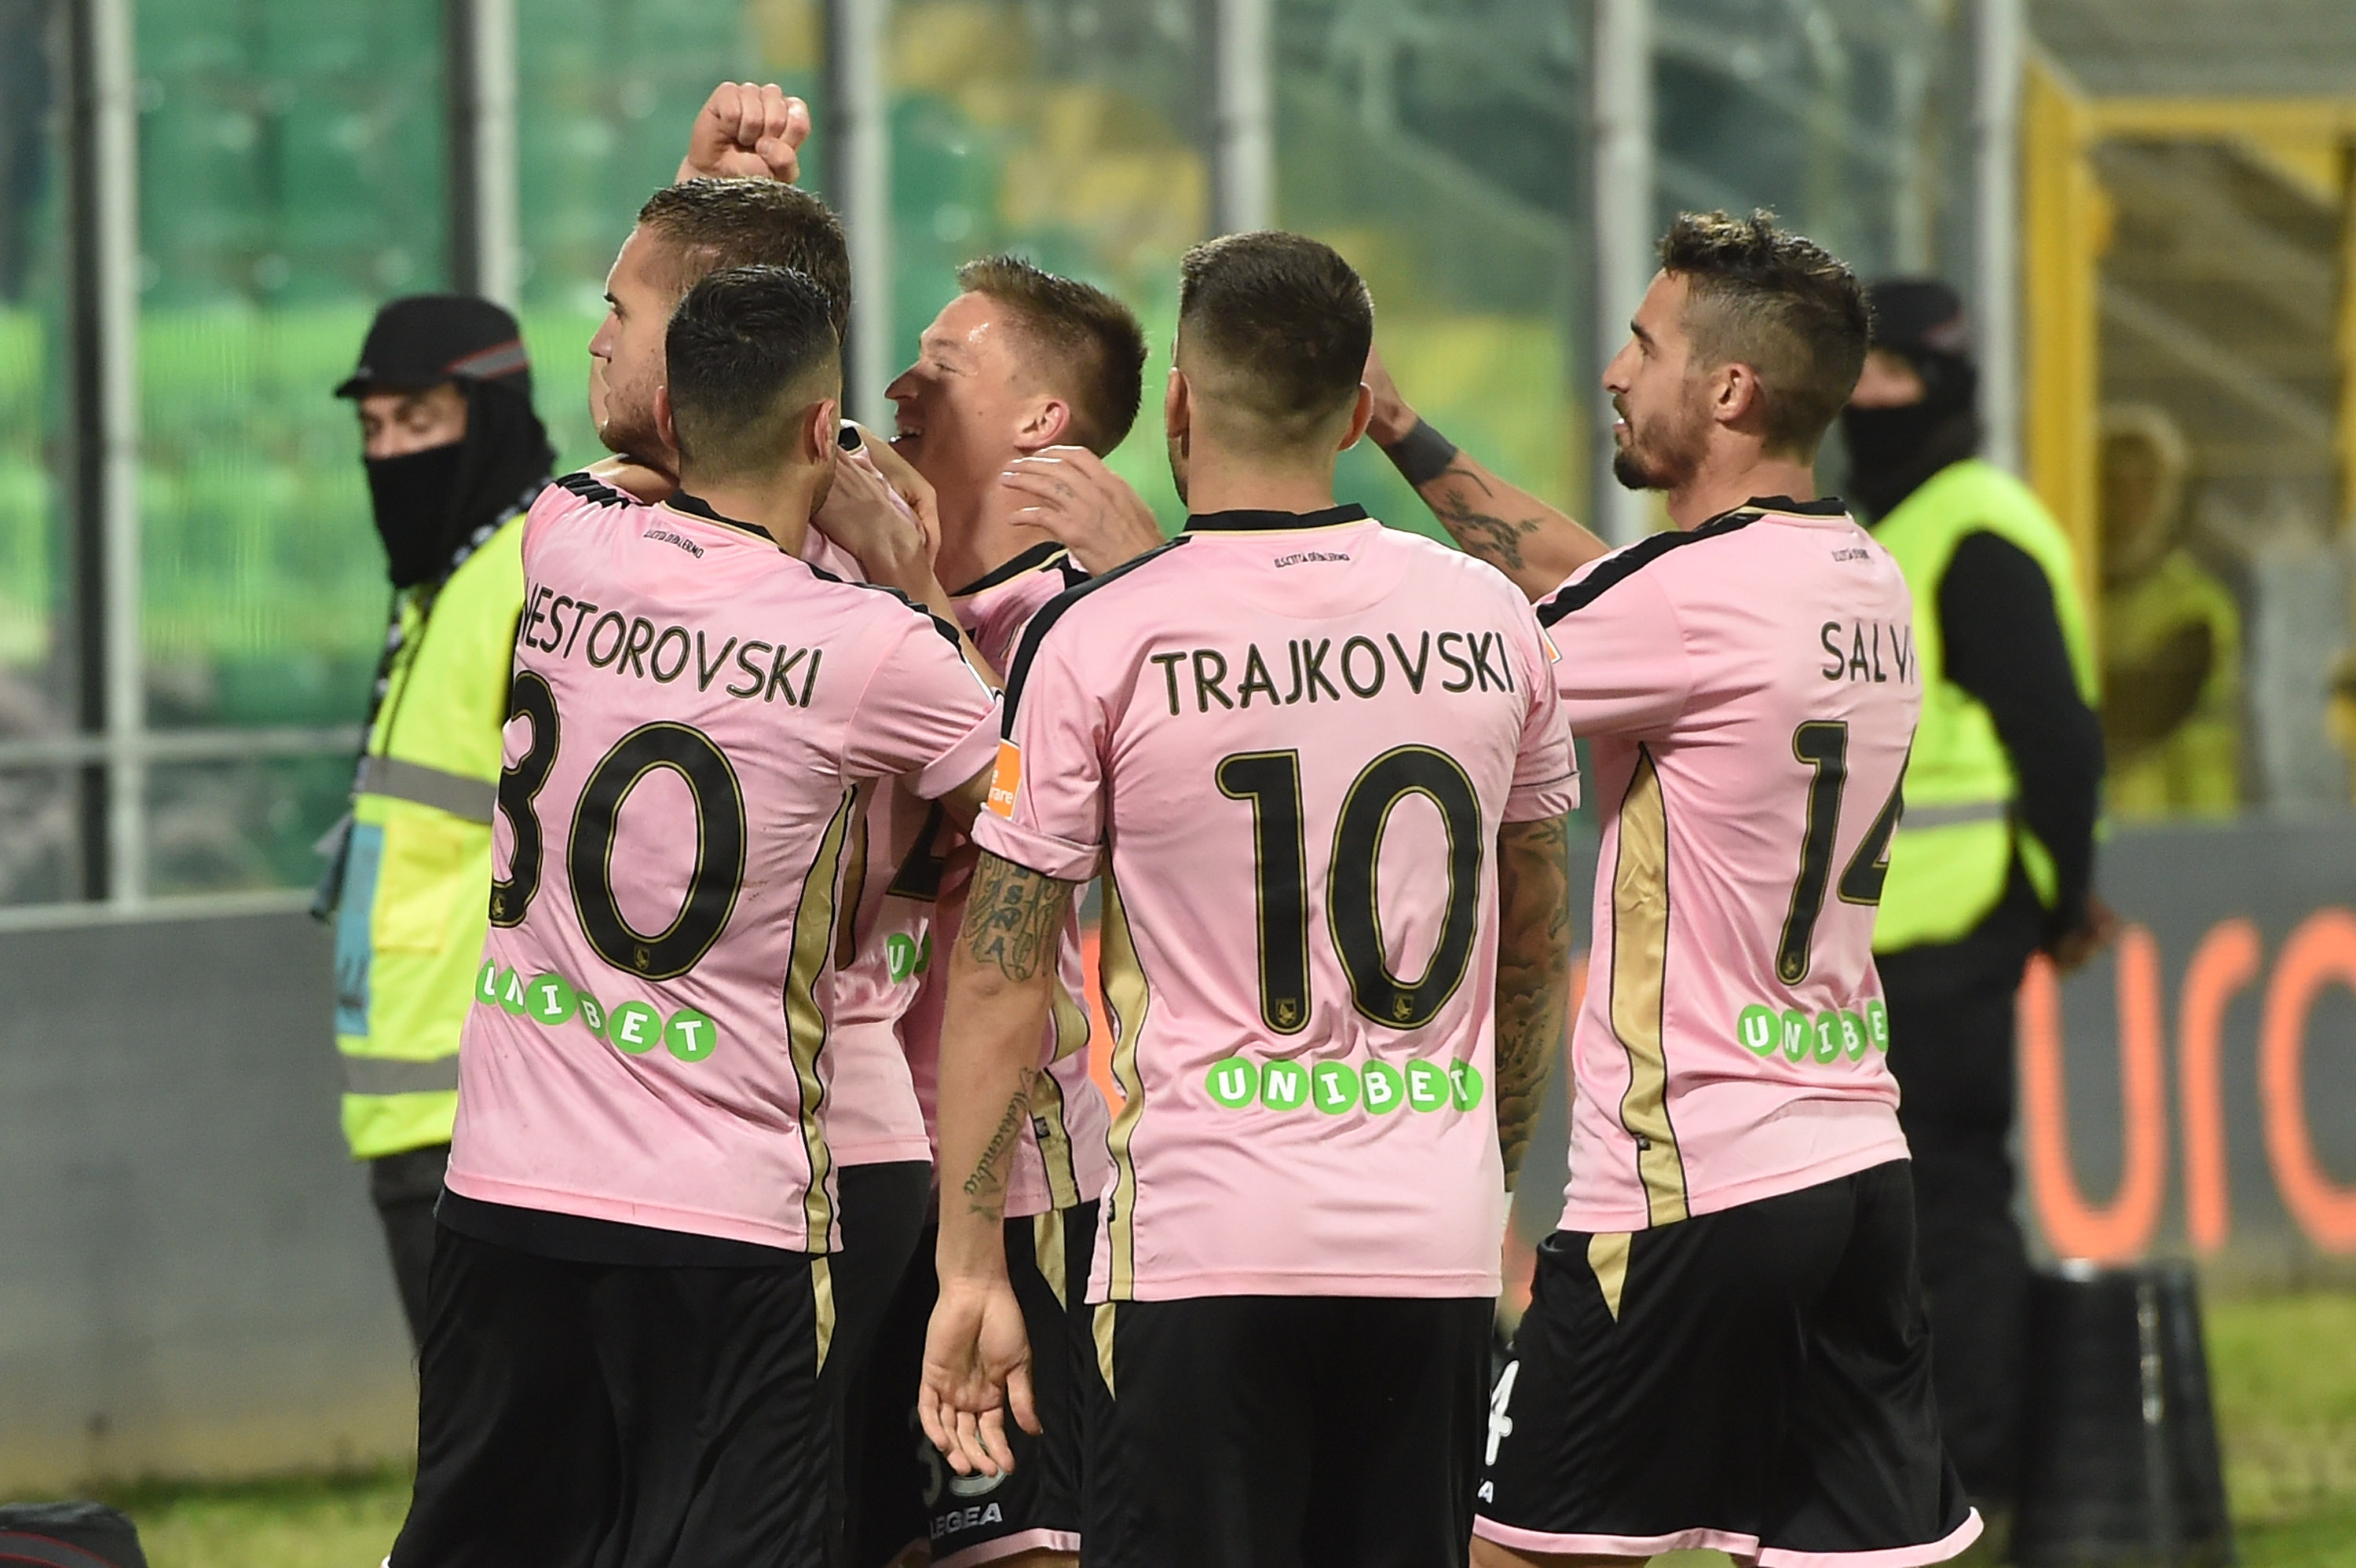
(1031, 560)
(1270, 522)
(1783, 506)
(696, 506)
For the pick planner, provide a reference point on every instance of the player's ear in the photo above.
(1360, 412)
(1048, 423)
(664, 426)
(1177, 405)
(821, 431)
(1736, 397)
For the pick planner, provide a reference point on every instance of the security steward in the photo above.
(1994, 858)
(455, 455)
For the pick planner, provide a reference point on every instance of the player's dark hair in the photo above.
(1094, 348)
(1779, 303)
(743, 342)
(710, 224)
(1288, 317)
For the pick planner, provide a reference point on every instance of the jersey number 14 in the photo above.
(1823, 744)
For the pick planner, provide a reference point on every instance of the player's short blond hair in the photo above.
(710, 225)
(1093, 348)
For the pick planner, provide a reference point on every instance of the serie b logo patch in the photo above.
(1007, 779)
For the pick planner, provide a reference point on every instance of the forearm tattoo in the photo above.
(985, 1188)
(1013, 918)
(1532, 973)
(1462, 499)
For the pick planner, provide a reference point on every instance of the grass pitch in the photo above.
(2285, 1372)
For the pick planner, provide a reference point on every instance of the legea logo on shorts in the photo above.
(551, 1001)
(1829, 1038)
(1335, 1088)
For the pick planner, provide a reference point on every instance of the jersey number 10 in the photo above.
(1271, 782)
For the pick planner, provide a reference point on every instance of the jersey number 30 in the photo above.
(1823, 744)
(720, 837)
(1271, 782)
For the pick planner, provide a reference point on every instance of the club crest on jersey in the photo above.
(1006, 779)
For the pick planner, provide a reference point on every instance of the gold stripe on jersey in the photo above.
(1128, 998)
(1053, 1131)
(854, 889)
(1640, 956)
(806, 1018)
(1607, 1255)
(1047, 1254)
(822, 1301)
(1101, 1325)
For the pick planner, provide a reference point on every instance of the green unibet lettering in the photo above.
(592, 1012)
(1795, 1035)
(1828, 1043)
(1852, 1035)
(549, 1001)
(634, 1027)
(1381, 1088)
(1464, 1084)
(1756, 1028)
(690, 1035)
(1233, 1081)
(487, 984)
(1877, 1024)
(1427, 1086)
(900, 955)
(1334, 1086)
(1284, 1086)
(511, 995)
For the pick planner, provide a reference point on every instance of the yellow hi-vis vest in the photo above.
(1955, 844)
(417, 878)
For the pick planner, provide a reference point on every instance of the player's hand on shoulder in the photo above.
(977, 1367)
(639, 481)
(1068, 494)
(747, 131)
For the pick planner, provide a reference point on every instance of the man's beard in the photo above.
(628, 427)
(1676, 463)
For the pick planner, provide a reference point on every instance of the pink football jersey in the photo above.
(1747, 691)
(1064, 1161)
(1289, 742)
(696, 712)
(871, 1113)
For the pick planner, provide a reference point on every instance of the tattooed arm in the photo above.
(1536, 545)
(1001, 980)
(1532, 973)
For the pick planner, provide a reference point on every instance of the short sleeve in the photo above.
(926, 716)
(1546, 771)
(1046, 804)
(1620, 655)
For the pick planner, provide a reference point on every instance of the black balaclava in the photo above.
(430, 505)
(1892, 452)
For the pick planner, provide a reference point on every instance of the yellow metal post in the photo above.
(2064, 232)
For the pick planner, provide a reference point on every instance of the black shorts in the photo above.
(1755, 1380)
(904, 1492)
(882, 1206)
(1286, 1432)
(617, 1415)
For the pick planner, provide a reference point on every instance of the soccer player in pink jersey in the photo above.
(1726, 1345)
(1029, 371)
(1322, 771)
(630, 1302)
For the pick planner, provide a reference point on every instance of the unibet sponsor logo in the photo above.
(904, 956)
(1334, 1088)
(1833, 1038)
(551, 1001)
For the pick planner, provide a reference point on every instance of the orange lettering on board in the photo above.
(2076, 1227)
(2222, 966)
(2321, 952)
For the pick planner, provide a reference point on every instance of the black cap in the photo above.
(1919, 316)
(426, 339)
